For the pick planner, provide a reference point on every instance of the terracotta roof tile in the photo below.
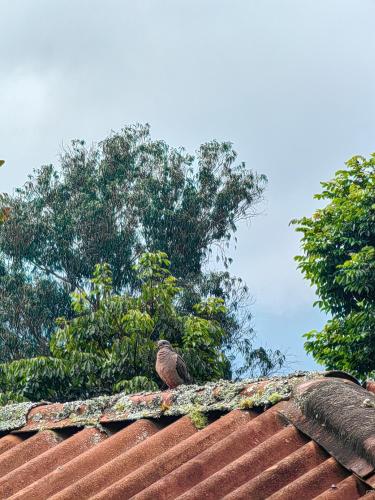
(77, 468)
(48, 461)
(280, 474)
(205, 464)
(129, 485)
(252, 447)
(133, 459)
(314, 481)
(248, 465)
(347, 489)
(8, 442)
(27, 450)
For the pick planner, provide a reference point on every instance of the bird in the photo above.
(170, 366)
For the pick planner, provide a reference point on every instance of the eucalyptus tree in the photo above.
(110, 203)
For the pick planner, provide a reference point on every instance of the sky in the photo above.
(291, 83)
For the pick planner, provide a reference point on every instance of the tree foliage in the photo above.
(109, 344)
(110, 203)
(339, 259)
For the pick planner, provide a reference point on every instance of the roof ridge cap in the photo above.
(329, 410)
(222, 395)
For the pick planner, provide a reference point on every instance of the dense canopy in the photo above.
(108, 204)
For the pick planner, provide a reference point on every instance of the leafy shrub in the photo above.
(338, 242)
(109, 344)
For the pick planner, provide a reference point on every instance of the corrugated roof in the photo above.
(249, 449)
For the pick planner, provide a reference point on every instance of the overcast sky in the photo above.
(290, 82)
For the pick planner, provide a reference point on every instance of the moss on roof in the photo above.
(222, 395)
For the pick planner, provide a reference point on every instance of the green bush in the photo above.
(338, 242)
(109, 344)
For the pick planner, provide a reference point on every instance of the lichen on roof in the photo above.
(14, 416)
(222, 395)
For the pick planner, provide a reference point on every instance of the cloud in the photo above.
(290, 83)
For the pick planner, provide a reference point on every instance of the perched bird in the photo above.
(170, 367)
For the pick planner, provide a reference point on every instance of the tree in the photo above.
(339, 259)
(109, 204)
(109, 345)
